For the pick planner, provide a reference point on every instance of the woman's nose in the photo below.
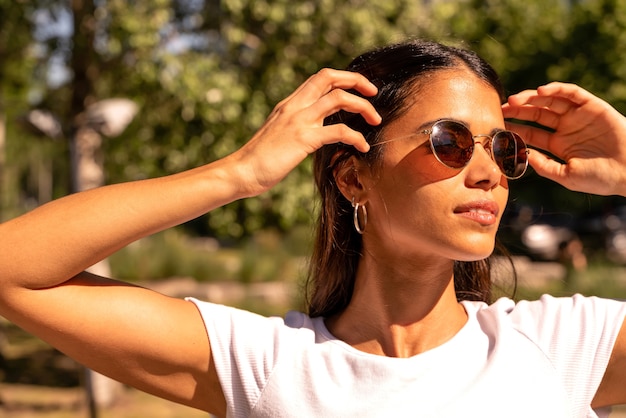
(482, 170)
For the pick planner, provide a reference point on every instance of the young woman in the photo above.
(413, 165)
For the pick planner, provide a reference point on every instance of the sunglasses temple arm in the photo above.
(394, 139)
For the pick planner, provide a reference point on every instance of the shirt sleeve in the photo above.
(577, 334)
(245, 348)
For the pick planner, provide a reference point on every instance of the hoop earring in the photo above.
(355, 216)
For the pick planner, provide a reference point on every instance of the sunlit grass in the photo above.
(601, 278)
(267, 256)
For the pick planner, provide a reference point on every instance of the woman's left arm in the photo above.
(588, 136)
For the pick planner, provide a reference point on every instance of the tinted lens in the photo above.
(509, 152)
(452, 143)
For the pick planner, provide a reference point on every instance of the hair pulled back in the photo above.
(399, 71)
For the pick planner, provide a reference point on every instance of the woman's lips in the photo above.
(482, 212)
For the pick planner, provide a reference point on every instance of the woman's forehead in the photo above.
(453, 94)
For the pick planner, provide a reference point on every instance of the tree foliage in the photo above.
(240, 59)
(206, 73)
(16, 61)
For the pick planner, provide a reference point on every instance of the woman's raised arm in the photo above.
(134, 335)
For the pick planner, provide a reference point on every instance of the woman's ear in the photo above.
(348, 176)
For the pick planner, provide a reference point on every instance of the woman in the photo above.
(398, 323)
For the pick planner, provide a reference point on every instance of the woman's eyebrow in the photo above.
(462, 122)
(428, 125)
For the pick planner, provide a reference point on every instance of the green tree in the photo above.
(206, 73)
(16, 56)
(237, 60)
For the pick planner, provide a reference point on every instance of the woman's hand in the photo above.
(589, 136)
(295, 128)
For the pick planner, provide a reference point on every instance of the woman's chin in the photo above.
(477, 254)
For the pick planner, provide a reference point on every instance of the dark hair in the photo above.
(398, 71)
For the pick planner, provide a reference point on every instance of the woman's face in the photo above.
(420, 207)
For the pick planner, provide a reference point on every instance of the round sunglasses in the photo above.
(452, 144)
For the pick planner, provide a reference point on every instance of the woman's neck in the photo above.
(399, 311)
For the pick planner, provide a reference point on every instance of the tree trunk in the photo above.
(2, 162)
(87, 170)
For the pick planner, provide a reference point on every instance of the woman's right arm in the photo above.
(134, 335)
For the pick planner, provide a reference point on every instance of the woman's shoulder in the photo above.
(549, 320)
(549, 305)
(240, 321)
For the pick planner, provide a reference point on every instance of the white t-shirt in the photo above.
(544, 358)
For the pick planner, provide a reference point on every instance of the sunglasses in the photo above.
(452, 144)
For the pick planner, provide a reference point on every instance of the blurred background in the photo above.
(106, 91)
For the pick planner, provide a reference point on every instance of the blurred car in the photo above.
(546, 241)
(536, 234)
(614, 231)
(542, 235)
